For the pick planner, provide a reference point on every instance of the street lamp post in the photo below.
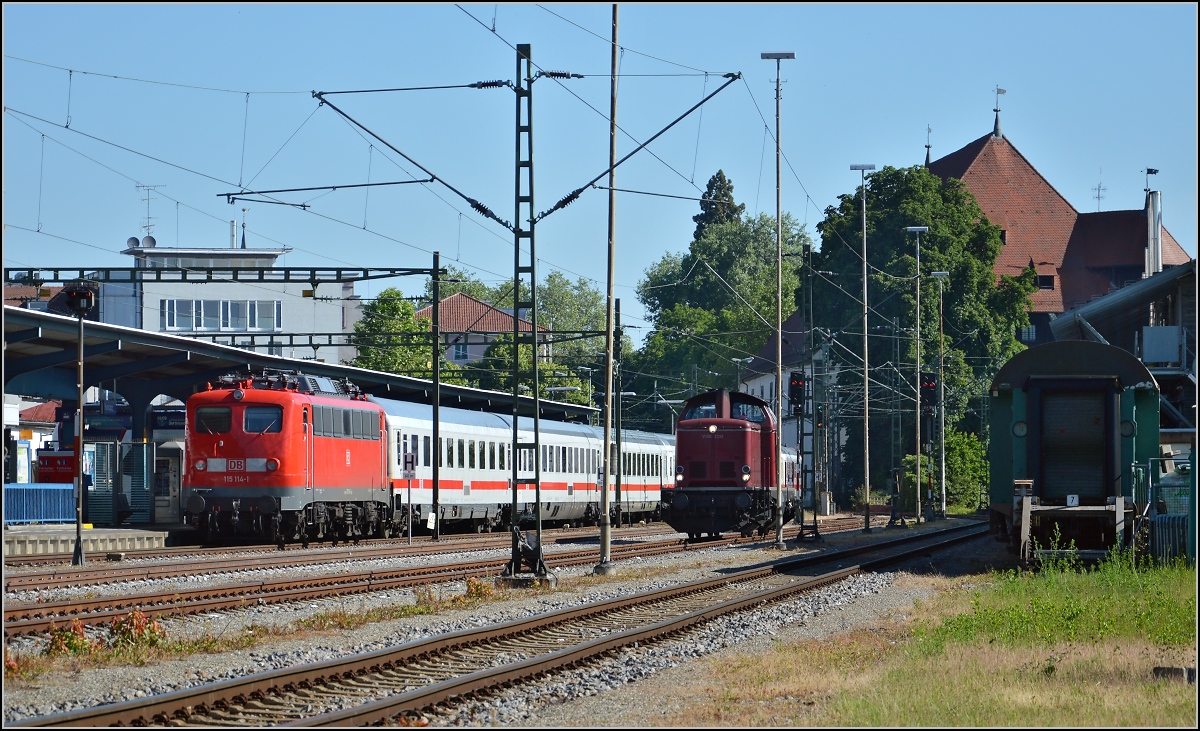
(863, 168)
(739, 362)
(918, 230)
(941, 393)
(778, 58)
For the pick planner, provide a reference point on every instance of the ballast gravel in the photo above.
(577, 697)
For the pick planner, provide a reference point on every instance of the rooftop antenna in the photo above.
(148, 226)
(928, 147)
(996, 131)
(244, 228)
(1099, 190)
(1149, 172)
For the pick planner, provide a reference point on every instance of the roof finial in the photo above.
(928, 131)
(996, 131)
(243, 228)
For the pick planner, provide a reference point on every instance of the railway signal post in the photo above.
(81, 297)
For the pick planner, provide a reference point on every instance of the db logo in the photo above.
(347, 457)
(237, 465)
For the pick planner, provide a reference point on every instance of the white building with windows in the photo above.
(221, 308)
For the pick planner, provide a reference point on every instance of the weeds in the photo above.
(136, 638)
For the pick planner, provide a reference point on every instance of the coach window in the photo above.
(462, 457)
(491, 455)
(482, 455)
(263, 419)
(425, 450)
(471, 453)
(213, 420)
(399, 448)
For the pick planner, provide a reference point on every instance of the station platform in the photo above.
(59, 538)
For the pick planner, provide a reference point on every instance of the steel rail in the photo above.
(25, 619)
(194, 703)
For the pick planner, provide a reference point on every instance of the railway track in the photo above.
(395, 685)
(221, 563)
(38, 617)
(560, 535)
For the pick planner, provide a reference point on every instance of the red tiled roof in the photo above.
(43, 413)
(1089, 253)
(794, 351)
(16, 295)
(1173, 253)
(463, 313)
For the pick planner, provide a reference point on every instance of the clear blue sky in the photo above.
(1096, 93)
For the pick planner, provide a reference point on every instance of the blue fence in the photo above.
(39, 502)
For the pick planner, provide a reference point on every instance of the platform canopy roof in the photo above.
(41, 361)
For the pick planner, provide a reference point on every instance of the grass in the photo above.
(1065, 646)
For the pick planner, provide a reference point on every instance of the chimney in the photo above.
(1154, 262)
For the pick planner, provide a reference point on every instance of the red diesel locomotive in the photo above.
(311, 449)
(725, 474)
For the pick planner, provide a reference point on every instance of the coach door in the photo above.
(309, 433)
(166, 485)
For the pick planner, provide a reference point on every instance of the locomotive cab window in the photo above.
(700, 411)
(263, 419)
(213, 419)
(749, 412)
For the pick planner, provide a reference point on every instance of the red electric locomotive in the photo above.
(725, 474)
(287, 456)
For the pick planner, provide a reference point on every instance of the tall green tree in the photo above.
(459, 280)
(718, 205)
(982, 313)
(709, 306)
(571, 307)
(391, 339)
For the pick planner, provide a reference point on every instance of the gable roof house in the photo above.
(1078, 256)
(469, 325)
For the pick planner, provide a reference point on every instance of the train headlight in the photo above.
(712, 428)
(1020, 429)
(272, 464)
(678, 473)
(238, 394)
(201, 464)
(745, 473)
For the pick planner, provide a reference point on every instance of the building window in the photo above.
(1003, 237)
(1045, 281)
(229, 315)
(1028, 334)
(460, 351)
